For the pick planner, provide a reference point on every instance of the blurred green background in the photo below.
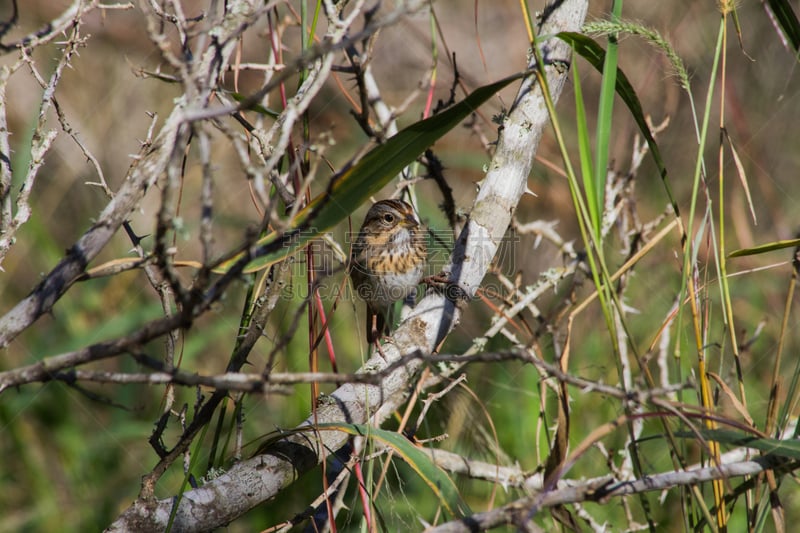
(73, 458)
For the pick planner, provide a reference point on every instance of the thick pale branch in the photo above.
(602, 490)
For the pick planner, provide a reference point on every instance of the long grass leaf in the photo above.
(605, 115)
(787, 20)
(585, 151)
(764, 248)
(742, 176)
(782, 448)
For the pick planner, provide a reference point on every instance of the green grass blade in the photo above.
(192, 464)
(605, 112)
(352, 186)
(585, 150)
(764, 248)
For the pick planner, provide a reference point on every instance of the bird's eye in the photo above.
(388, 217)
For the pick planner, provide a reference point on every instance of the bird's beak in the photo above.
(411, 221)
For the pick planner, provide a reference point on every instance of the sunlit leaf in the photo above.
(764, 248)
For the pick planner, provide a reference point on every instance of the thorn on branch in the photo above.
(436, 173)
(136, 240)
(6, 25)
(155, 439)
(440, 105)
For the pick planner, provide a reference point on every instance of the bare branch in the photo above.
(45, 369)
(603, 490)
(54, 28)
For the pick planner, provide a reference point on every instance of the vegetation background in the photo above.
(75, 450)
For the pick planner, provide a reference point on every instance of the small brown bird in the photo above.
(387, 261)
